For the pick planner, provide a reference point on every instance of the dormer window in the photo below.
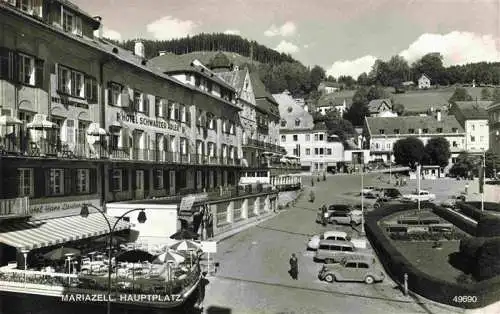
(439, 130)
(425, 131)
(71, 23)
(381, 131)
(454, 130)
(297, 122)
(283, 123)
(396, 131)
(411, 131)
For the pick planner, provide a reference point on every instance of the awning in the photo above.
(40, 122)
(9, 121)
(42, 233)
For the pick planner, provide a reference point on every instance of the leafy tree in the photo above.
(359, 108)
(431, 65)
(409, 151)
(331, 79)
(398, 108)
(376, 92)
(340, 127)
(437, 152)
(486, 94)
(465, 166)
(460, 94)
(363, 79)
(347, 81)
(317, 75)
(492, 164)
(398, 70)
(379, 73)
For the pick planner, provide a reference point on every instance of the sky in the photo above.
(345, 37)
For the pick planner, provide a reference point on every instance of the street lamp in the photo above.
(389, 158)
(362, 199)
(141, 218)
(25, 255)
(483, 174)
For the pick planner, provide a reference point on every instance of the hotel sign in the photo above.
(146, 121)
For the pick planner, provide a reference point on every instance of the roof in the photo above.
(374, 105)
(424, 76)
(335, 99)
(265, 101)
(220, 61)
(235, 78)
(77, 9)
(330, 84)
(320, 126)
(171, 63)
(470, 110)
(290, 111)
(403, 124)
(483, 104)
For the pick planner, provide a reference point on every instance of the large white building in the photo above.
(302, 138)
(383, 132)
(473, 117)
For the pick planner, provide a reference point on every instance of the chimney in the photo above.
(98, 32)
(438, 115)
(139, 49)
(162, 52)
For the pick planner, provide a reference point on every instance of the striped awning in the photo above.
(42, 233)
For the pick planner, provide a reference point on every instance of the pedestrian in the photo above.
(201, 291)
(294, 267)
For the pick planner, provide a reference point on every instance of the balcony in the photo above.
(264, 145)
(14, 207)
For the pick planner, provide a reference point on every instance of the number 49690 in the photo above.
(465, 299)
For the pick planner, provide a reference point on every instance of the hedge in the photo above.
(436, 289)
(456, 219)
(488, 226)
(469, 210)
(488, 261)
(487, 206)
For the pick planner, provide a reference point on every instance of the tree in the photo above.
(340, 127)
(492, 164)
(346, 80)
(465, 166)
(363, 79)
(409, 151)
(317, 75)
(379, 73)
(398, 70)
(486, 94)
(398, 108)
(460, 94)
(431, 65)
(376, 92)
(437, 152)
(359, 108)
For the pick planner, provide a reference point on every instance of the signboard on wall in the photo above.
(187, 203)
(60, 209)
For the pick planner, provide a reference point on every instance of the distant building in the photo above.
(474, 119)
(424, 82)
(383, 132)
(381, 108)
(340, 108)
(494, 126)
(326, 87)
(318, 152)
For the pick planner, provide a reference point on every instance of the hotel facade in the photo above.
(86, 122)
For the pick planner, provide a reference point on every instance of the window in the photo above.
(116, 180)
(137, 100)
(82, 181)
(91, 92)
(115, 94)
(481, 138)
(381, 131)
(56, 182)
(295, 137)
(183, 146)
(158, 179)
(425, 131)
(350, 265)
(316, 137)
(283, 138)
(71, 23)
(321, 136)
(183, 113)
(316, 151)
(71, 82)
(308, 151)
(297, 122)
(472, 138)
(321, 151)
(197, 81)
(26, 69)
(439, 130)
(209, 86)
(159, 110)
(308, 137)
(363, 265)
(25, 176)
(283, 123)
(328, 151)
(411, 131)
(454, 144)
(454, 130)
(473, 127)
(396, 131)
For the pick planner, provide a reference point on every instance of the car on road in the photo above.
(313, 243)
(331, 251)
(360, 270)
(384, 192)
(335, 208)
(367, 189)
(353, 218)
(452, 201)
(423, 196)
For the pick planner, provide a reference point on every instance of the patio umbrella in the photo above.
(168, 256)
(185, 245)
(134, 256)
(8, 121)
(185, 234)
(97, 132)
(60, 253)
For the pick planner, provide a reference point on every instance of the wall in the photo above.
(306, 160)
(480, 131)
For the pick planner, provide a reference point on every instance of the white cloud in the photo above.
(169, 28)
(306, 46)
(287, 29)
(232, 32)
(457, 48)
(111, 34)
(351, 67)
(286, 47)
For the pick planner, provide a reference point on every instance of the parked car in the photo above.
(353, 218)
(313, 243)
(384, 192)
(422, 196)
(361, 270)
(331, 251)
(367, 189)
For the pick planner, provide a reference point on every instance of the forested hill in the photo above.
(213, 42)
